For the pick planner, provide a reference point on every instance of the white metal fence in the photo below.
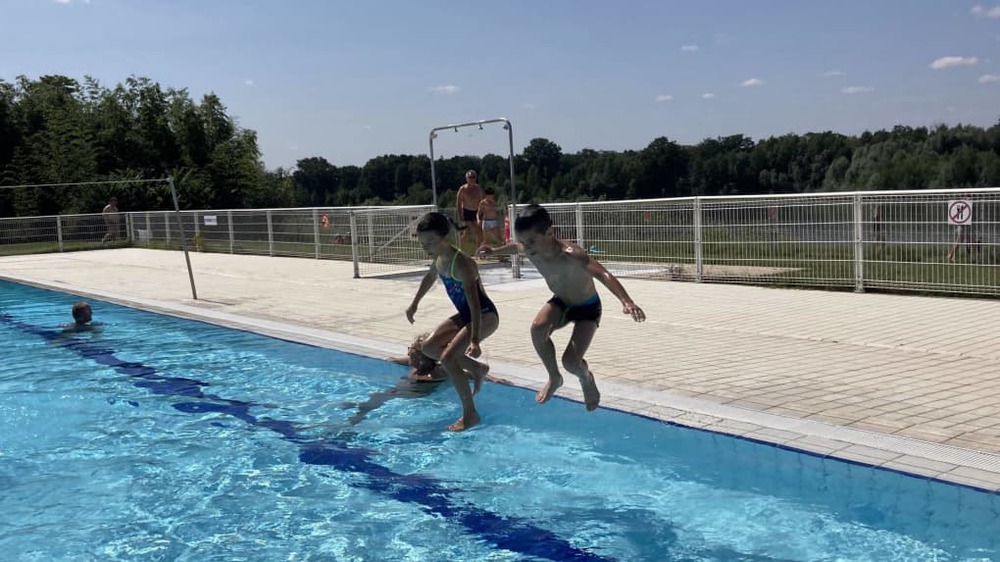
(900, 240)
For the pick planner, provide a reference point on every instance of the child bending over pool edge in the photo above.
(455, 342)
(569, 271)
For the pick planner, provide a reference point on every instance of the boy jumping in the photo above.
(569, 272)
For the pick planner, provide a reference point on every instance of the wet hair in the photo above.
(434, 222)
(470, 174)
(424, 365)
(534, 217)
(81, 312)
(489, 191)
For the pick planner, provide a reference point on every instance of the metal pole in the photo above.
(184, 244)
(59, 231)
(354, 245)
(515, 262)
(232, 234)
(270, 234)
(316, 241)
(859, 245)
(434, 186)
(699, 255)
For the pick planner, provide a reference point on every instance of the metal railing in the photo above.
(378, 240)
(898, 240)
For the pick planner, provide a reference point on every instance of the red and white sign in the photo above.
(960, 212)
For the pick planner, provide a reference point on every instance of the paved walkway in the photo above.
(908, 382)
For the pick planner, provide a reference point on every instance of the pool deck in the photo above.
(911, 383)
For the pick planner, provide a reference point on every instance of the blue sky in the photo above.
(349, 80)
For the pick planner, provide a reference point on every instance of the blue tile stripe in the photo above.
(504, 532)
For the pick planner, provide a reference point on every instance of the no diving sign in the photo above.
(960, 212)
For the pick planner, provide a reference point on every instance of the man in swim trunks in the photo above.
(488, 216)
(569, 272)
(466, 207)
(455, 342)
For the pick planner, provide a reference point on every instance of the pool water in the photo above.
(156, 438)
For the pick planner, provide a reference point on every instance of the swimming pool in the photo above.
(163, 439)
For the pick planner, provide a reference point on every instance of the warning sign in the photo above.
(960, 212)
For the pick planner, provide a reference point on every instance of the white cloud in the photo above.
(708, 95)
(989, 78)
(448, 89)
(248, 82)
(664, 97)
(832, 73)
(690, 48)
(752, 82)
(979, 10)
(857, 89)
(949, 62)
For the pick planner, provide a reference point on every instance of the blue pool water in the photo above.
(162, 439)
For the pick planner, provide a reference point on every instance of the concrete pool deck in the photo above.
(906, 382)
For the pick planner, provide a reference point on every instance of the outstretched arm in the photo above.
(607, 279)
(425, 285)
(512, 248)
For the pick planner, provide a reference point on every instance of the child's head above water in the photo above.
(81, 313)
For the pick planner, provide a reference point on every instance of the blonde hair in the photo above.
(426, 364)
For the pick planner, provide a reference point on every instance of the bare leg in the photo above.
(458, 366)
(470, 416)
(579, 342)
(541, 329)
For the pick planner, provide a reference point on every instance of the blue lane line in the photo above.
(508, 533)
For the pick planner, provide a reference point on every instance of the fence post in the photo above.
(371, 235)
(232, 235)
(166, 226)
(270, 234)
(354, 244)
(315, 216)
(128, 228)
(59, 232)
(515, 258)
(859, 245)
(579, 226)
(149, 230)
(699, 260)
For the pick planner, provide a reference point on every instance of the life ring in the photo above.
(324, 221)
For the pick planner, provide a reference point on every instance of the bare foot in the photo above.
(591, 396)
(548, 390)
(465, 422)
(478, 376)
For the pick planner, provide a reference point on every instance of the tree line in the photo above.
(56, 129)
